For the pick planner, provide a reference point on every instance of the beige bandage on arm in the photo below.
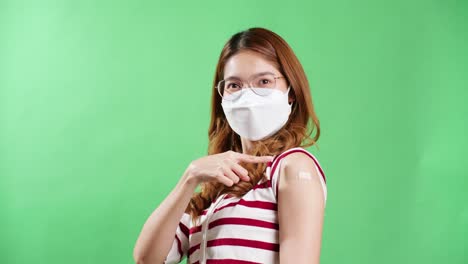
(304, 175)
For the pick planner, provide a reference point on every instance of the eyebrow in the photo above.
(256, 74)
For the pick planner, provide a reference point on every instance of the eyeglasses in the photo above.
(231, 88)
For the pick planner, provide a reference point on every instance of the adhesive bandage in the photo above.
(304, 175)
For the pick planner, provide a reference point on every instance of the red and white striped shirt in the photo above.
(237, 230)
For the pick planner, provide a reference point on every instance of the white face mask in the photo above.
(256, 117)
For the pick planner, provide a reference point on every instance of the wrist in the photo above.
(187, 178)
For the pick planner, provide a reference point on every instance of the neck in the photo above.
(246, 145)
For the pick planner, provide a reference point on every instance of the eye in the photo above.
(233, 86)
(265, 81)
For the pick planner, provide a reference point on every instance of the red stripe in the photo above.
(273, 161)
(195, 229)
(179, 247)
(229, 261)
(184, 229)
(262, 185)
(243, 221)
(243, 243)
(252, 204)
(192, 249)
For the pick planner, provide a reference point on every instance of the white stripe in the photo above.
(246, 212)
(267, 235)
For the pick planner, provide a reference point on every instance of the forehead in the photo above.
(246, 63)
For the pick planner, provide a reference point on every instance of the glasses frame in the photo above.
(243, 86)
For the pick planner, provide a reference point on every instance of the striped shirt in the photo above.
(236, 230)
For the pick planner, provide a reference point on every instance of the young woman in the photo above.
(263, 194)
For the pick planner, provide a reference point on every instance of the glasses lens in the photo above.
(229, 89)
(263, 84)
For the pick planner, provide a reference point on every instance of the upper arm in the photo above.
(301, 206)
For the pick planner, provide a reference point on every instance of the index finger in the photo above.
(254, 159)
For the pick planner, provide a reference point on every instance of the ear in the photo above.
(291, 98)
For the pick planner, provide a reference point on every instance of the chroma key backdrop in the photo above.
(103, 104)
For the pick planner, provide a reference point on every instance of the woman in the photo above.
(263, 195)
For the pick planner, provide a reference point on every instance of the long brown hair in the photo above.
(297, 132)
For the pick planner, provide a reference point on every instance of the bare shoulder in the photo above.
(297, 162)
(299, 174)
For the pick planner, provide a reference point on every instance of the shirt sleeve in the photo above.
(180, 244)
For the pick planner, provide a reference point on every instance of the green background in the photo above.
(103, 104)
